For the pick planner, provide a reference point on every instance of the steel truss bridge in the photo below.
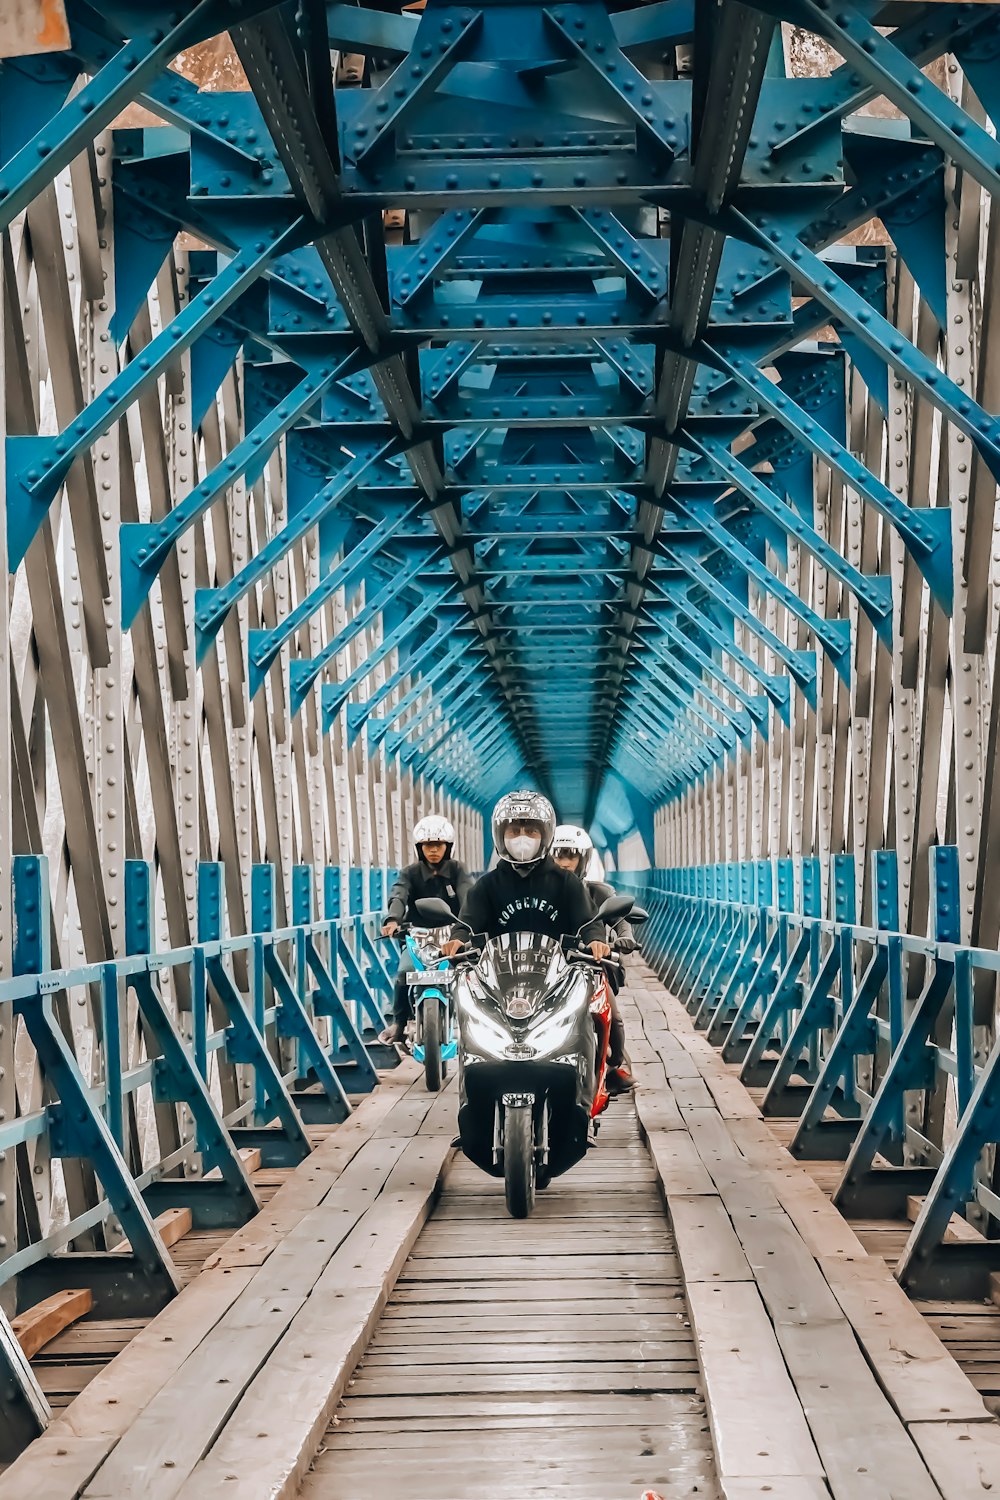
(600, 396)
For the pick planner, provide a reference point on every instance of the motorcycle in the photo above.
(534, 1020)
(430, 983)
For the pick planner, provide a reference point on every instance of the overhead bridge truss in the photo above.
(598, 395)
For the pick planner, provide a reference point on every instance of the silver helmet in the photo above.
(529, 847)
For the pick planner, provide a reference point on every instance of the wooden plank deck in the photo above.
(68, 1363)
(888, 1411)
(382, 1327)
(571, 1369)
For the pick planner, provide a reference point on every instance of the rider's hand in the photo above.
(390, 927)
(600, 950)
(451, 947)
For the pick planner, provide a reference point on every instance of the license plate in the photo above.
(430, 976)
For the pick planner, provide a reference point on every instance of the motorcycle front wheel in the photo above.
(430, 1019)
(519, 1160)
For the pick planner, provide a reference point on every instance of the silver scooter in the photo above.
(534, 1019)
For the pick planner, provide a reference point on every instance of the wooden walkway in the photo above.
(382, 1328)
(547, 1358)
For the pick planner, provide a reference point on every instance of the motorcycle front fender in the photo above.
(423, 994)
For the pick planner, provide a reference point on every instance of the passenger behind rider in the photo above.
(434, 873)
(572, 849)
(528, 891)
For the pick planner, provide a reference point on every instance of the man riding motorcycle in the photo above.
(571, 850)
(434, 873)
(527, 891)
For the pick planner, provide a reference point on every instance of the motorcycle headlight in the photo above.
(485, 1035)
(482, 1030)
(552, 1030)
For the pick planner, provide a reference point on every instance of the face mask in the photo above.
(523, 847)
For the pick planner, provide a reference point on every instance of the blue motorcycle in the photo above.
(431, 981)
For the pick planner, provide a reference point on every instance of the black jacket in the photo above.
(546, 900)
(600, 890)
(449, 881)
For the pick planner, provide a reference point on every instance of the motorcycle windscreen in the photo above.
(521, 969)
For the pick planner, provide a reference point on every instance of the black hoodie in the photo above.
(546, 900)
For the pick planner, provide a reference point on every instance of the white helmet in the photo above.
(523, 851)
(576, 841)
(568, 836)
(434, 830)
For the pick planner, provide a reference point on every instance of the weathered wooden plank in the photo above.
(432, 1476)
(775, 1487)
(678, 1166)
(913, 1367)
(865, 1448)
(597, 1322)
(597, 1406)
(43, 1322)
(686, 1436)
(790, 1282)
(963, 1457)
(568, 1294)
(958, 1228)
(650, 1267)
(172, 1225)
(285, 1410)
(60, 1462)
(660, 1110)
(708, 1246)
(624, 1380)
(758, 1426)
(691, 1093)
(383, 1354)
(306, 1188)
(159, 1450)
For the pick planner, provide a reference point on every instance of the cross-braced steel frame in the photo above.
(585, 393)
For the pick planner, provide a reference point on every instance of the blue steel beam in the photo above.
(485, 391)
(263, 645)
(801, 665)
(37, 466)
(777, 236)
(380, 726)
(335, 695)
(445, 706)
(145, 546)
(304, 672)
(833, 634)
(754, 703)
(926, 532)
(360, 715)
(887, 71)
(97, 104)
(212, 605)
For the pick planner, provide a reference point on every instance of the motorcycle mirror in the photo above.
(434, 911)
(614, 908)
(638, 915)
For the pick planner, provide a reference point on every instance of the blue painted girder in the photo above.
(546, 161)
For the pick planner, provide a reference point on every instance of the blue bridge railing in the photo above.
(879, 1044)
(198, 1055)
